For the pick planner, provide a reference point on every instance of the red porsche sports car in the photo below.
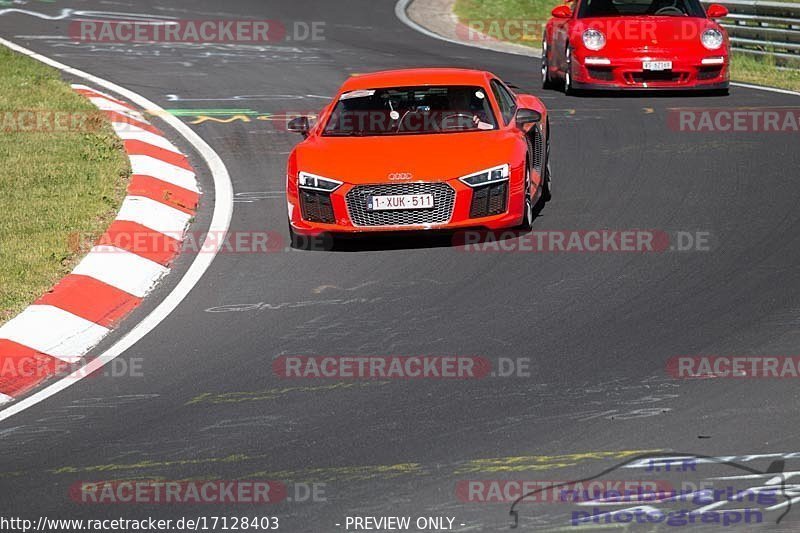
(419, 149)
(635, 44)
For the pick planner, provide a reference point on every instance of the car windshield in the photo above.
(411, 110)
(620, 8)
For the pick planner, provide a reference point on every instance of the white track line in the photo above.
(53, 331)
(220, 222)
(401, 12)
(765, 88)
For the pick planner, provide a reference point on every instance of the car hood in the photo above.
(436, 157)
(648, 34)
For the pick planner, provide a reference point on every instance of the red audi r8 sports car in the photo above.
(419, 149)
(635, 44)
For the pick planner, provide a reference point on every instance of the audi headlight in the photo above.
(484, 177)
(594, 39)
(317, 183)
(712, 39)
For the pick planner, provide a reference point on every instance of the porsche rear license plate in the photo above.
(399, 201)
(657, 65)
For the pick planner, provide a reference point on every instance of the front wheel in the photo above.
(319, 242)
(296, 241)
(546, 184)
(568, 88)
(547, 81)
(527, 215)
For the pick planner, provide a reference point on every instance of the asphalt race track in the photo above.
(596, 328)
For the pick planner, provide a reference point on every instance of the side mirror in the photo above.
(716, 11)
(299, 125)
(526, 117)
(561, 12)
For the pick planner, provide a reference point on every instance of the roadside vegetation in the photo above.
(63, 173)
(744, 68)
(748, 69)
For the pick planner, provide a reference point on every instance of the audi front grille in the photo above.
(443, 200)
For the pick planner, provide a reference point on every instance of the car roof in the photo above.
(416, 76)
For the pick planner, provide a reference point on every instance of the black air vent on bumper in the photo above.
(316, 206)
(709, 73)
(489, 200)
(605, 74)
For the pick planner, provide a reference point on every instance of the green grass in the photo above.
(534, 12)
(744, 68)
(505, 9)
(762, 71)
(53, 185)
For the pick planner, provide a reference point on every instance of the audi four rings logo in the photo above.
(400, 176)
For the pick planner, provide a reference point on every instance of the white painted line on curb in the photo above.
(104, 104)
(4, 398)
(154, 215)
(53, 331)
(122, 269)
(149, 166)
(218, 229)
(81, 87)
(129, 132)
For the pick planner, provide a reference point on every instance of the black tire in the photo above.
(547, 195)
(296, 241)
(527, 208)
(568, 88)
(547, 177)
(547, 81)
(319, 243)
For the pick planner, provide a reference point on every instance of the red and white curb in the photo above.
(59, 328)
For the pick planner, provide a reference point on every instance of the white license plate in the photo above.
(399, 201)
(657, 65)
